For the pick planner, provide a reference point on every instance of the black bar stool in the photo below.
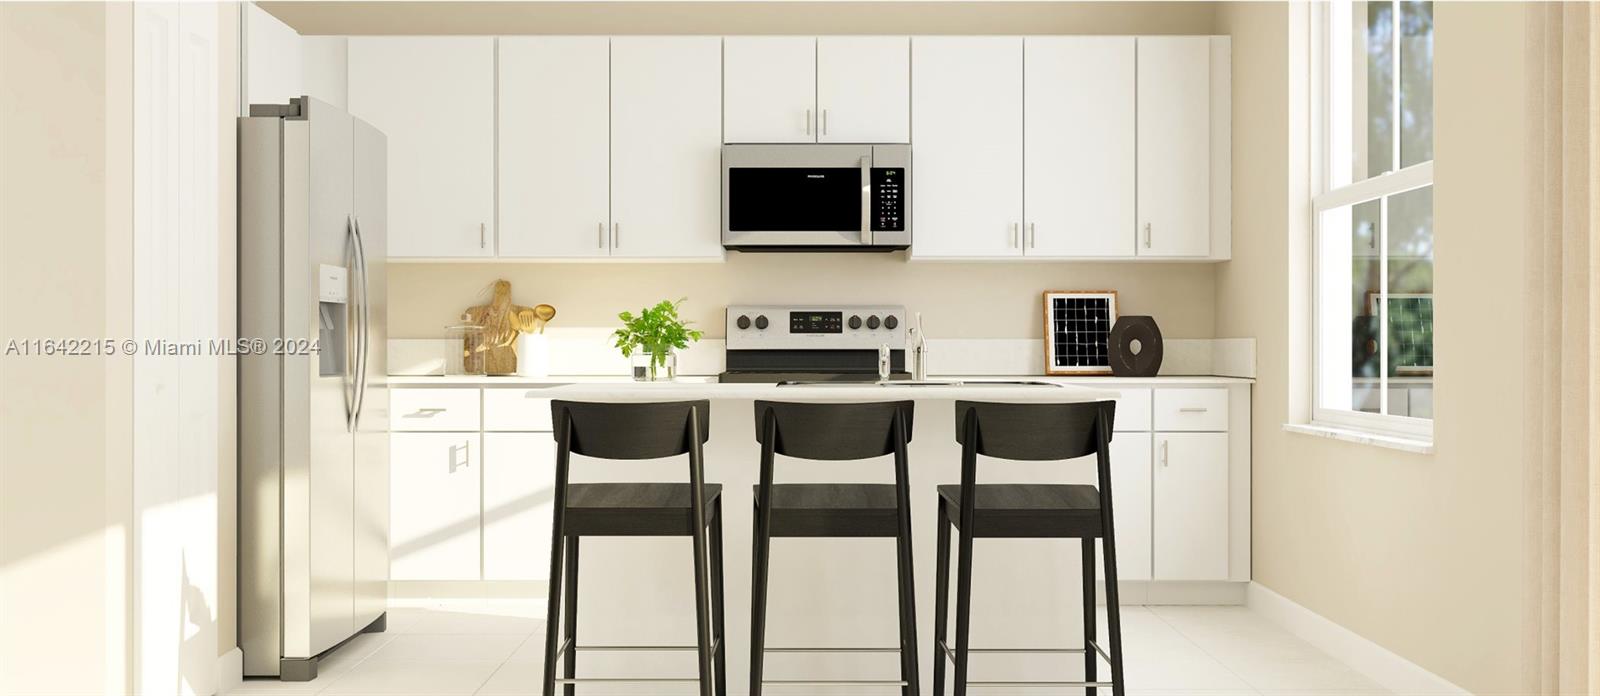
(1036, 511)
(635, 431)
(833, 432)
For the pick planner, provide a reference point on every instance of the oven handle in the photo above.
(866, 199)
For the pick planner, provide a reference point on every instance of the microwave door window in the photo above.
(791, 199)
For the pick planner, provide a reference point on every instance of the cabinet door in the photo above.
(519, 473)
(1080, 147)
(1174, 145)
(434, 98)
(434, 515)
(1130, 498)
(1191, 506)
(770, 89)
(666, 146)
(864, 89)
(966, 106)
(555, 186)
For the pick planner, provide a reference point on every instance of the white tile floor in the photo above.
(494, 648)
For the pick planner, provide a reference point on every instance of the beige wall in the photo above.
(64, 464)
(958, 300)
(1420, 553)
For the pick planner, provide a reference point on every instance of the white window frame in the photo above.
(1331, 151)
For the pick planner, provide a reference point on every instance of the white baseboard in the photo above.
(230, 670)
(1390, 670)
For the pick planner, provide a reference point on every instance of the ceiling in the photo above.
(741, 17)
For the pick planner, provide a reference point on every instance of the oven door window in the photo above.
(794, 199)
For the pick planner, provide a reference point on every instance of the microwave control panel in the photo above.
(888, 199)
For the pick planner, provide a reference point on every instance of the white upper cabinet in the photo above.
(666, 147)
(966, 101)
(434, 99)
(1080, 146)
(770, 89)
(1174, 151)
(555, 180)
(832, 89)
(864, 89)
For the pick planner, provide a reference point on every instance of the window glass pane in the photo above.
(1411, 302)
(1416, 82)
(1365, 282)
(1375, 60)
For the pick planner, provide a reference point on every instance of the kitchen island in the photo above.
(479, 449)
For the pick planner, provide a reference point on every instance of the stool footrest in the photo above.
(567, 645)
(833, 682)
(831, 650)
(950, 652)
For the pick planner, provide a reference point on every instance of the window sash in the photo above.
(1333, 130)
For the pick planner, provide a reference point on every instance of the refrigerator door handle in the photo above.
(364, 321)
(352, 387)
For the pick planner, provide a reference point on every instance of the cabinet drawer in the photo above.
(433, 409)
(516, 410)
(1133, 411)
(1191, 409)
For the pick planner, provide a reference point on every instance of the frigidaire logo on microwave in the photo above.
(816, 176)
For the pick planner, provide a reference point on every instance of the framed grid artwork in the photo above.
(1077, 326)
(1410, 331)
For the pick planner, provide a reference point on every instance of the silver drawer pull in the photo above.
(425, 413)
(1193, 409)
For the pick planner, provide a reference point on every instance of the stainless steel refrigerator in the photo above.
(313, 405)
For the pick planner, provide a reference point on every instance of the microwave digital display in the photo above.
(816, 322)
(888, 199)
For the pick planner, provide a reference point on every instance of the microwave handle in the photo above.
(866, 199)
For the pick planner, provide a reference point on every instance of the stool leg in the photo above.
(569, 667)
(758, 601)
(963, 603)
(1090, 659)
(941, 598)
(908, 609)
(702, 607)
(1113, 612)
(552, 615)
(719, 613)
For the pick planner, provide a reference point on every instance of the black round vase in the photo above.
(1126, 363)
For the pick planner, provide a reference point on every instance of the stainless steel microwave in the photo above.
(816, 197)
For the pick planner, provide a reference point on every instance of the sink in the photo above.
(923, 383)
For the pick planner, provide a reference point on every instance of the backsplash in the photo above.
(957, 300)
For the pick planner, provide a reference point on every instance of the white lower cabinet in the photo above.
(1190, 538)
(1130, 508)
(518, 494)
(434, 481)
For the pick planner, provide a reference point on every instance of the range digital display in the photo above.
(816, 322)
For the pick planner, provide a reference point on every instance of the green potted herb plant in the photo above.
(650, 338)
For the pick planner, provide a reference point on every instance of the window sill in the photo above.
(1395, 442)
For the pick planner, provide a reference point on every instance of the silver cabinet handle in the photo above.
(483, 235)
(461, 453)
(1147, 235)
(824, 121)
(1033, 235)
(616, 235)
(808, 122)
(1164, 452)
(426, 413)
(600, 235)
(1193, 409)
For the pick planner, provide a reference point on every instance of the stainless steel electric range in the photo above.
(814, 343)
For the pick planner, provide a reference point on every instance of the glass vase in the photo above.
(655, 367)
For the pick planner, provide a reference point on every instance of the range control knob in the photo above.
(855, 322)
(761, 321)
(890, 322)
(743, 322)
(872, 322)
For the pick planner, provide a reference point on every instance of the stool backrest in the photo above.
(833, 431)
(1034, 431)
(631, 430)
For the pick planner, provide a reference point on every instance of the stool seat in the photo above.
(1028, 510)
(634, 509)
(834, 509)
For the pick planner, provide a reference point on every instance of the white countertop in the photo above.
(554, 380)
